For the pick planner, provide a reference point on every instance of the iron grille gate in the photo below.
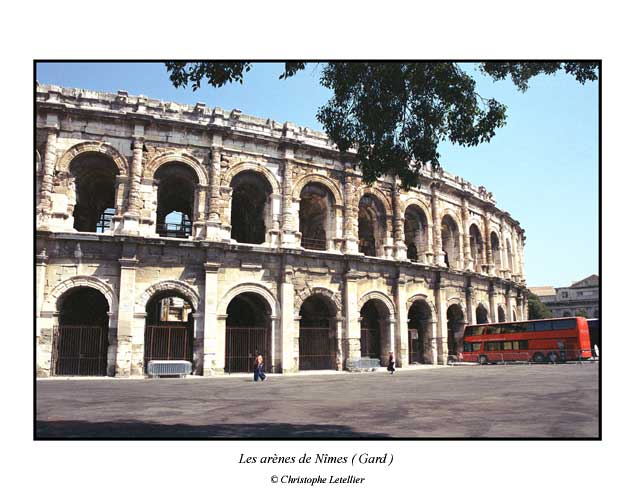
(317, 349)
(241, 344)
(80, 350)
(370, 343)
(167, 343)
(416, 346)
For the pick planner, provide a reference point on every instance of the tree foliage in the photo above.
(537, 310)
(394, 115)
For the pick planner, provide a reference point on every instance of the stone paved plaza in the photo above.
(557, 401)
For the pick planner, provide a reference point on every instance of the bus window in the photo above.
(523, 345)
(492, 346)
(543, 326)
(565, 324)
(519, 327)
(474, 330)
(507, 346)
(494, 329)
(476, 346)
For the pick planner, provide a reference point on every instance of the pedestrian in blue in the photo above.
(259, 368)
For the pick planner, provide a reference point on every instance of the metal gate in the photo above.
(416, 346)
(80, 350)
(241, 345)
(317, 349)
(370, 343)
(167, 343)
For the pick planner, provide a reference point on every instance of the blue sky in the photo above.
(542, 166)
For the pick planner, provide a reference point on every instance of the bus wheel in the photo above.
(539, 358)
(482, 360)
(553, 357)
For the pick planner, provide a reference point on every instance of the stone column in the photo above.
(520, 307)
(436, 227)
(350, 225)
(50, 156)
(121, 181)
(198, 355)
(132, 216)
(213, 360)
(214, 231)
(508, 304)
(442, 323)
(469, 305)
(401, 357)
(289, 238)
(125, 314)
(488, 246)
(287, 320)
(493, 313)
(469, 260)
(40, 282)
(400, 252)
(353, 333)
(431, 352)
(339, 343)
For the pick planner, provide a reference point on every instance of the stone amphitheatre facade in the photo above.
(260, 235)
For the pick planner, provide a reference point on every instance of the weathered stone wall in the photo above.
(129, 262)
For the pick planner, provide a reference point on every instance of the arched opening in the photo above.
(371, 226)
(419, 331)
(247, 332)
(496, 251)
(477, 249)
(501, 314)
(169, 331)
(513, 314)
(80, 342)
(375, 334)
(317, 343)
(316, 216)
(176, 187)
(415, 233)
(450, 241)
(251, 207)
(481, 315)
(94, 176)
(456, 322)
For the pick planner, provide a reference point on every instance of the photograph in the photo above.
(309, 250)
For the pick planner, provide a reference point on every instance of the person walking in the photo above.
(391, 363)
(259, 367)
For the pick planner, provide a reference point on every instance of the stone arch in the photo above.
(480, 308)
(52, 301)
(63, 164)
(318, 179)
(455, 218)
(377, 193)
(255, 288)
(424, 298)
(175, 157)
(332, 298)
(420, 204)
(458, 301)
(185, 289)
(234, 170)
(381, 297)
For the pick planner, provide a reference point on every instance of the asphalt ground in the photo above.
(509, 401)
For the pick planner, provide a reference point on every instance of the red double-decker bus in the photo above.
(541, 340)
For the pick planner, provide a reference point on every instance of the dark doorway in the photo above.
(80, 342)
(169, 332)
(419, 318)
(455, 323)
(317, 336)
(247, 332)
(371, 330)
(481, 315)
(175, 200)
(250, 200)
(315, 206)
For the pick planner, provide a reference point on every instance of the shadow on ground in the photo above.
(135, 429)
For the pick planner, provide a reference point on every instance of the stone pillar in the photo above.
(121, 182)
(213, 360)
(469, 305)
(135, 204)
(442, 323)
(287, 320)
(275, 352)
(289, 238)
(125, 314)
(339, 343)
(520, 307)
(402, 344)
(353, 333)
(431, 351)
(198, 355)
(400, 251)
(50, 156)
(514, 263)
(488, 246)
(468, 258)
(508, 304)
(493, 313)
(350, 224)
(436, 227)
(214, 230)
(40, 282)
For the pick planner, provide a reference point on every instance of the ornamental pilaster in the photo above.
(398, 224)
(467, 251)
(436, 226)
(50, 157)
